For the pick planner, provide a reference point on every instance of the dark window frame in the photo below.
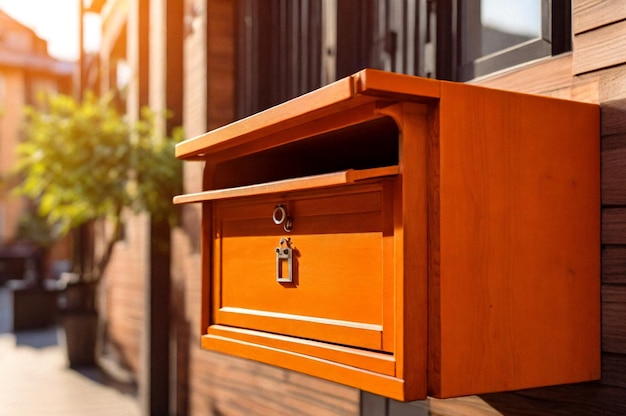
(555, 39)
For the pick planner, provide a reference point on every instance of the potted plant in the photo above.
(84, 162)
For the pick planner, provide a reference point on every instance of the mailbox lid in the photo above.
(343, 254)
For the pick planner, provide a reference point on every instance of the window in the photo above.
(494, 32)
(479, 37)
(289, 47)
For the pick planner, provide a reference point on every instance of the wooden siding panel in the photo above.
(590, 14)
(614, 170)
(614, 226)
(613, 370)
(613, 119)
(600, 48)
(613, 313)
(614, 265)
(588, 399)
(612, 84)
(586, 88)
(540, 77)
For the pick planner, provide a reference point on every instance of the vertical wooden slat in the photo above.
(315, 44)
(292, 68)
(304, 52)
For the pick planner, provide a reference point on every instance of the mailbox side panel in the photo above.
(518, 286)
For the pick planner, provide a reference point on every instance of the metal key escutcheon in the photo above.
(284, 254)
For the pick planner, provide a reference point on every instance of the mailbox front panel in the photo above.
(331, 287)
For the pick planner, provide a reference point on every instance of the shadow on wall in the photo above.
(181, 328)
(191, 218)
(566, 400)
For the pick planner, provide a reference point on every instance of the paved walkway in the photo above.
(36, 380)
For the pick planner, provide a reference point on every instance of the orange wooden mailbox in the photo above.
(406, 236)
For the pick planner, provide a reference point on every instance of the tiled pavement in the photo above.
(36, 380)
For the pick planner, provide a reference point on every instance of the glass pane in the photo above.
(507, 23)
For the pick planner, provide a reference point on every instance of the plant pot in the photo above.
(80, 321)
(80, 337)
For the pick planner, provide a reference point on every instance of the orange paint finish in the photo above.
(519, 241)
(445, 237)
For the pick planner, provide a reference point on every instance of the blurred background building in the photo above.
(26, 69)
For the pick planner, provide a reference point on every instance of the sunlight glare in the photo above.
(53, 20)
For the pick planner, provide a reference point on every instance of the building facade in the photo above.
(26, 70)
(213, 61)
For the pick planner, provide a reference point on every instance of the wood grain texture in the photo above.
(268, 121)
(585, 399)
(329, 370)
(434, 256)
(337, 241)
(550, 74)
(553, 77)
(613, 370)
(613, 117)
(225, 385)
(467, 406)
(613, 314)
(614, 225)
(614, 170)
(614, 265)
(311, 182)
(220, 63)
(612, 84)
(591, 14)
(518, 225)
(600, 48)
(379, 362)
(411, 223)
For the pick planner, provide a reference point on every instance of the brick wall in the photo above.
(124, 294)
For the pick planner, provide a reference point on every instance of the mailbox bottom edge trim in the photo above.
(363, 379)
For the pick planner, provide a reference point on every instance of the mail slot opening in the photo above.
(371, 144)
